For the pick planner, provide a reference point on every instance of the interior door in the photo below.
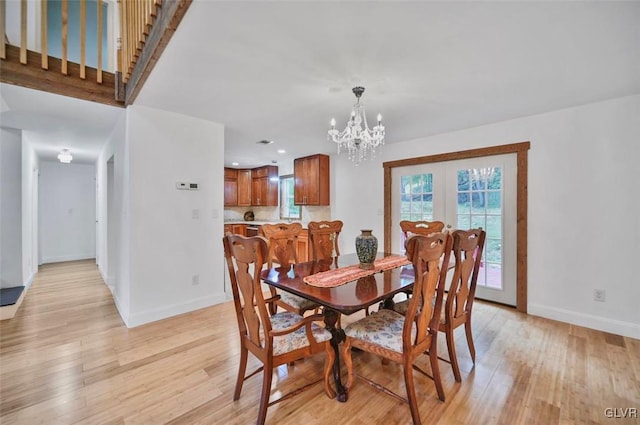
(478, 192)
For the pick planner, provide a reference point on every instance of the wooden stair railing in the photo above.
(146, 27)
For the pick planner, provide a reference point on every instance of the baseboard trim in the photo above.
(29, 282)
(63, 258)
(631, 330)
(149, 316)
(123, 314)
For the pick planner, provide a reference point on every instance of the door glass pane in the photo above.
(478, 178)
(427, 204)
(494, 179)
(494, 226)
(478, 221)
(416, 199)
(493, 252)
(463, 180)
(464, 205)
(479, 204)
(464, 222)
(494, 202)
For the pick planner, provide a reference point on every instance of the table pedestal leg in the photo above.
(388, 304)
(338, 336)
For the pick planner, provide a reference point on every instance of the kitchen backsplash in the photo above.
(273, 213)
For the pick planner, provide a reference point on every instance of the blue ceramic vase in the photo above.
(366, 248)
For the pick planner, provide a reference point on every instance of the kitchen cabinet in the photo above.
(237, 187)
(311, 175)
(230, 187)
(239, 229)
(264, 186)
(244, 188)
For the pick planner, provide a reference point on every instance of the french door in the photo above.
(464, 194)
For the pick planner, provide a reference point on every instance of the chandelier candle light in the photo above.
(357, 138)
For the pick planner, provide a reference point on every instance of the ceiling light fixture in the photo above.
(357, 138)
(65, 156)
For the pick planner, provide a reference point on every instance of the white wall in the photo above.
(30, 243)
(175, 234)
(119, 279)
(67, 211)
(584, 212)
(10, 208)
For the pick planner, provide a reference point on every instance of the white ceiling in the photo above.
(55, 122)
(282, 70)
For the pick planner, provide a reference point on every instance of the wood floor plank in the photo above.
(67, 358)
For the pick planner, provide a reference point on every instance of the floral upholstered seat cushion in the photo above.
(382, 328)
(294, 340)
(296, 301)
(401, 307)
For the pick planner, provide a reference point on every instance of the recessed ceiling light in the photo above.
(234, 164)
(264, 142)
(281, 151)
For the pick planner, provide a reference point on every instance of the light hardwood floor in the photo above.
(67, 358)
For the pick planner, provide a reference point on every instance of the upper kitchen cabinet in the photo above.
(237, 187)
(244, 188)
(230, 187)
(264, 186)
(311, 175)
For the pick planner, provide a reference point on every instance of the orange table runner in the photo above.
(342, 275)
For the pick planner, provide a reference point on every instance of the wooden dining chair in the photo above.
(324, 239)
(403, 339)
(282, 239)
(323, 236)
(467, 249)
(273, 339)
(420, 227)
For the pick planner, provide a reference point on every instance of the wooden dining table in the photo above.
(347, 299)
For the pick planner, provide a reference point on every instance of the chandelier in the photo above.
(357, 138)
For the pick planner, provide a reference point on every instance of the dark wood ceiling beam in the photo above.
(166, 22)
(52, 80)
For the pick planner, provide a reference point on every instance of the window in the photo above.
(287, 209)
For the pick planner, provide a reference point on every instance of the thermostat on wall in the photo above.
(186, 186)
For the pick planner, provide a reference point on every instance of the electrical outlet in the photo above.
(599, 295)
(195, 279)
(195, 214)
